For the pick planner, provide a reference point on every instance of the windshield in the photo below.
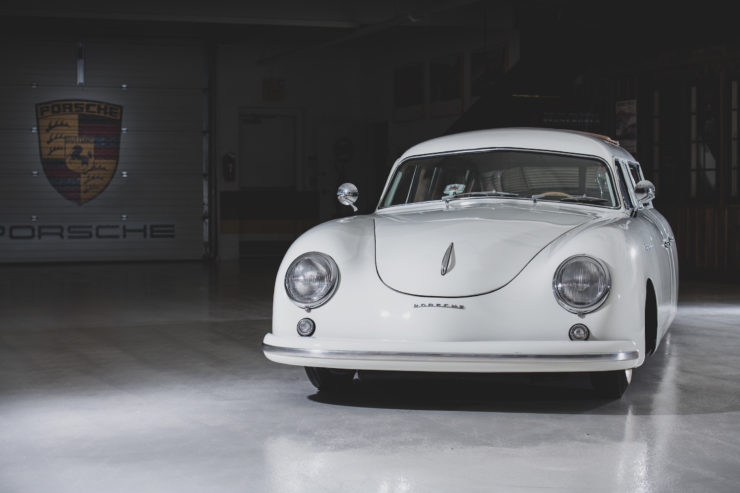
(512, 174)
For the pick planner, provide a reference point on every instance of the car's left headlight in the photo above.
(311, 279)
(581, 284)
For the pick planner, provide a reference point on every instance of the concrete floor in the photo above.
(149, 378)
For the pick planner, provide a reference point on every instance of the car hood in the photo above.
(491, 245)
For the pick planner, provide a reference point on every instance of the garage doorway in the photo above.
(274, 207)
(268, 148)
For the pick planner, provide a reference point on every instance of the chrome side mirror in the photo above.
(644, 192)
(347, 195)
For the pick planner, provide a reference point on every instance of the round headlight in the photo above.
(311, 279)
(581, 284)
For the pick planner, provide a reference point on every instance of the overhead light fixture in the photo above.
(81, 64)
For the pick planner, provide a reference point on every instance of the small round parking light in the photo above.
(579, 332)
(306, 327)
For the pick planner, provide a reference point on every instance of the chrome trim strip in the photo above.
(451, 357)
(612, 171)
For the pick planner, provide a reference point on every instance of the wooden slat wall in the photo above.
(708, 240)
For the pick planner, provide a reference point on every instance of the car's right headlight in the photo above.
(581, 284)
(311, 279)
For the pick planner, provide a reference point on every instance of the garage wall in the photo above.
(344, 96)
(150, 204)
(334, 100)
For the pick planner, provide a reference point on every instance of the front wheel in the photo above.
(330, 379)
(611, 384)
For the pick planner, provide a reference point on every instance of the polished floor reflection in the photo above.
(149, 378)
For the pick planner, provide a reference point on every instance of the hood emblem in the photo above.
(448, 261)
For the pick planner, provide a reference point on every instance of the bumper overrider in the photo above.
(443, 356)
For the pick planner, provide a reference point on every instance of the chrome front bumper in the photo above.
(505, 356)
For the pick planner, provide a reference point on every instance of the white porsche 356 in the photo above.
(507, 250)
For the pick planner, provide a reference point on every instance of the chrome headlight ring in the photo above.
(311, 280)
(576, 275)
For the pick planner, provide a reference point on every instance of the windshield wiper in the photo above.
(585, 199)
(464, 195)
(492, 193)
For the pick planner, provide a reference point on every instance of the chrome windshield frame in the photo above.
(610, 167)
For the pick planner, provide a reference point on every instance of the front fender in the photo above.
(350, 242)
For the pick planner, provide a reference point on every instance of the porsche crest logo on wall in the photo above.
(79, 142)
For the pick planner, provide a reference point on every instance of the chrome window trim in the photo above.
(610, 168)
(628, 181)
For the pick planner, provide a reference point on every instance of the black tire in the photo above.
(611, 384)
(330, 379)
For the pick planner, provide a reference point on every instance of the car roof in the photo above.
(541, 139)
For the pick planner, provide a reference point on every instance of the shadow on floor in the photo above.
(660, 387)
(546, 393)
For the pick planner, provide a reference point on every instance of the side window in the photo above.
(635, 172)
(401, 186)
(624, 178)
